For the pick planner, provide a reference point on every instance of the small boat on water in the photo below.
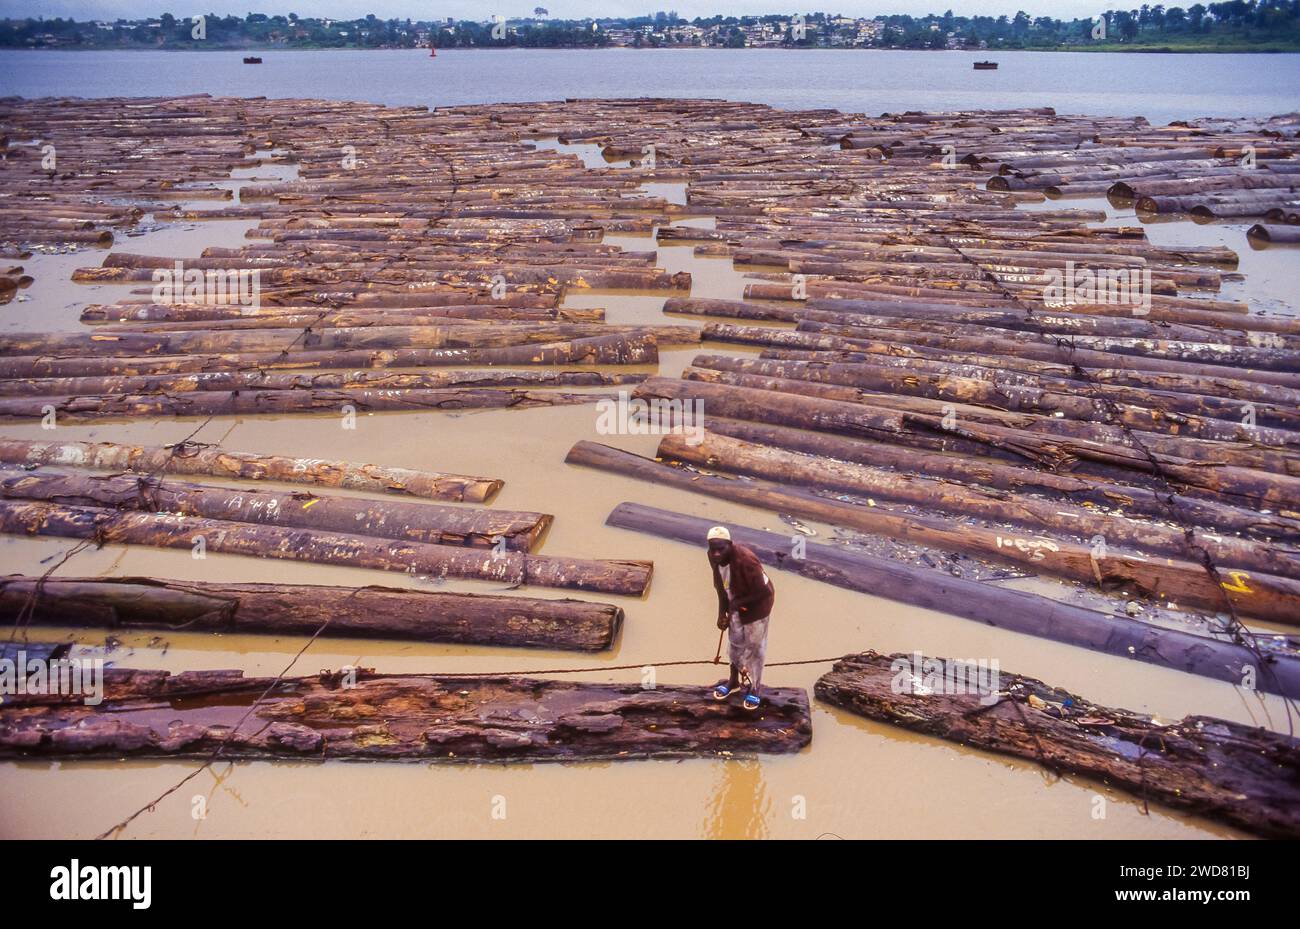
(986, 66)
(252, 60)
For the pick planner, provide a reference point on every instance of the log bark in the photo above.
(128, 603)
(197, 458)
(1244, 776)
(1000, 607)
(422, 718)
(108, 527)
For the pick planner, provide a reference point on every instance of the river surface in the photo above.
(859, 779)
(1160, 87)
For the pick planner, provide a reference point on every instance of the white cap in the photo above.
(719, 532)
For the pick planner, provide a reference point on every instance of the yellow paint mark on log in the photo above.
(1238, 584)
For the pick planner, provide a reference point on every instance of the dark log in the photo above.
(421, 718)
(1245, 776)
(1280, 235)
(127, 603)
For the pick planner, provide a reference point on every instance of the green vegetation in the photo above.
(1238, 25)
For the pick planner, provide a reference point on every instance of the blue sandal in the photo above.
(751, 702)
(721, 691)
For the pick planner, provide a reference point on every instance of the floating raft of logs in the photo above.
(363, 716)
(1245, 776)
(915, 357)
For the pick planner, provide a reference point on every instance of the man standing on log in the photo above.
(745, 598)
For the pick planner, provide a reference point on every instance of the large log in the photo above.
(324, 340)
(128, 603)
(1245, 776)
(422, 718)
(199, 458)
(619, 349)
(107, 527)
(1000, 607)
(478, 527)
(273, 380)
(272, 402)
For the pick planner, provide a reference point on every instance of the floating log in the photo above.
(255, 341)
(422, 718)
(271, 380)
(200, 536)
(1280, 235)
(130, 603)
(1004, 608)
(631, 348)
(1244, 776)
(270, 402)
(477, 527)
(198, 458)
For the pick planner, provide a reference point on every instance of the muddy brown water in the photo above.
(858, 779)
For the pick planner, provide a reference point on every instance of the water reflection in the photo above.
(740, 806)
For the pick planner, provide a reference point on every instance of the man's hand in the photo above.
(723, 620)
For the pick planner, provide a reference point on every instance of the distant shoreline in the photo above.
(1082, 49)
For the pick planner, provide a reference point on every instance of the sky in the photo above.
(559, 9)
